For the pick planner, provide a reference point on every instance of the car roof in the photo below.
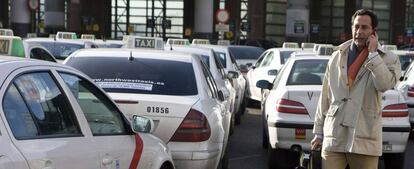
(310, 57)
(191, 49)
(140, 53)
(73, 41)
(286, 49)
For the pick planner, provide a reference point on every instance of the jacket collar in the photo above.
(344, 46)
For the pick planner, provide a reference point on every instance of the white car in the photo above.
(15, 46)
(290, 106)
(175, 89)
(239, 84)
(266, 67)
(53, 116)
(406, 88)
(245, 56)
(220, 77)
(406, 58)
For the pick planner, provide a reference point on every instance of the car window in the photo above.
(146, 76)
(102, 115)
(61, 50)
(246, 52)
(219, 66)
(41, 54)
(222, 57)
(405, 61)
(307, 72)
(206, 59)
(259, 61)
(267, 60)
(35, 107)
(284, 56)
(210, 81)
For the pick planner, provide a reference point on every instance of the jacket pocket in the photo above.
(369, 125)
(332, 110)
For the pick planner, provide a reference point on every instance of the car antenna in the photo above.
(130, 58)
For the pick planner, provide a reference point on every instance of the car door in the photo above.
(117, 146)
(260, 73)
(10, 157)
(42, 122)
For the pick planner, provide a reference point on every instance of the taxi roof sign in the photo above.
(53, 36)
(88, 36)
(6, 32)
(179, 42)
(11, 45)
(200, 42)
(223, 42)
(31, 35)
(66, 35)
(144, 42)
(290, 45)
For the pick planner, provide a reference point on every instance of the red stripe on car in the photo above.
(139, 145)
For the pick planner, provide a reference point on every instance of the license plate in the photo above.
(386, 147)
(300, 134)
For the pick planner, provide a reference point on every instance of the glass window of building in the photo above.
(382, 9)
(275, 20)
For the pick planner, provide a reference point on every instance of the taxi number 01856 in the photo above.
(153, 109)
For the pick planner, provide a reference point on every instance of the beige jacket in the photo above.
(350, 119)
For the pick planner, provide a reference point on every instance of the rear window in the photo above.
(405, 61)
(146, 76)
(307, 72)
(284, 56)
(61, 50)
(246, 52)
(222, 57)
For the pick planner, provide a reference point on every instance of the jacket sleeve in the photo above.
(323, 104)
(385, 69)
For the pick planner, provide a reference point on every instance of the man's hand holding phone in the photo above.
(372, 42)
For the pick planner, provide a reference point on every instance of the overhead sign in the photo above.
(222, 15)
(222, 28)
(33, 4)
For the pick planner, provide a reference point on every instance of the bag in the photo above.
(310, 160)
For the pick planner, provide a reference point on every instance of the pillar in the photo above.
(54, 15)
(20, 17)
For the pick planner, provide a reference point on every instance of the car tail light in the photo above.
(290, 106)
(194, 128)
(410, 92)
(395, 110)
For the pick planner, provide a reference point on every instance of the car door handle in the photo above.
(107, 161)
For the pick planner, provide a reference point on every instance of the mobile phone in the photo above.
(373, 33)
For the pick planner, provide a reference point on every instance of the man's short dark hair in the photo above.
(374, 19)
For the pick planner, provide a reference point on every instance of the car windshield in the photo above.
(61, 50)
(246, 52)
(307, 72)
(405, 60)
(146, 76)
(284, 56)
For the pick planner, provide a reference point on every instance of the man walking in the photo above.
(348, 118)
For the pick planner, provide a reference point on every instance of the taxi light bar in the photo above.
(143, 42)
(66, 35)
(88, 36)
(6, 32)
(178, 42)
(395, 110)
(194, 128)
(200, 42)
(290, 106)
(223, 42)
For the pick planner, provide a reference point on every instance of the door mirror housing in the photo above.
(272, 72)
(232, 75)
(264, 84)
(142, 124)
(220, 95)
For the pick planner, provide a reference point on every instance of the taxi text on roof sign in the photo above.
(171, 41)
(200, 41)
(66, 35)
(143, 42)
(6, 32)
(4, 46)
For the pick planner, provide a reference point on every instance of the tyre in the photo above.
(282, 159)
(237, 118)
(265, 140)
(232, 121)
(393, 160)
(224, 162)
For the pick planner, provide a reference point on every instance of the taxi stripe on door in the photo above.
(139, 145)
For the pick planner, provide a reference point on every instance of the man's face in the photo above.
(361, 30)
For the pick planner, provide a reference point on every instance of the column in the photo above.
(203, 18)
(20, 17)
(54, 15)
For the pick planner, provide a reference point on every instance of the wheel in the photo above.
(167, 165)
(232, 125)
(282, 159)
(237, 118)
(393, 160)
(265, 139)
(224, 162)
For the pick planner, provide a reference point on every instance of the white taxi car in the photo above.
(53, 116)
(15, 46)
(239, 84)
(175, 89)
(290, 106)
(266, 67)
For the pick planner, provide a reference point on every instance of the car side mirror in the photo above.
(272, 72)
(264, 84)
(401, 78)
(232, 75)
(142, 124)
(249, 64)
(220, 95)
